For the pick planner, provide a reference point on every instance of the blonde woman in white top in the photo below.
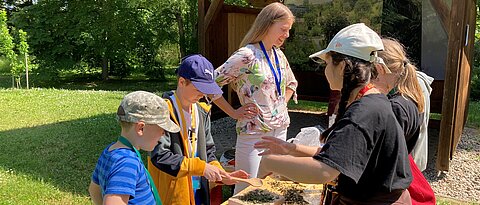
(260, 74)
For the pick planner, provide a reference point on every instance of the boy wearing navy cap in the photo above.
(183, 163)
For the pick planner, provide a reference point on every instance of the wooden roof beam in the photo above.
(212, 13)
(443, 12)
(202, 5)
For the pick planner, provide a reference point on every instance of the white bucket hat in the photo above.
(356, 40)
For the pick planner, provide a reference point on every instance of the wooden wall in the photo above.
(226, 32)
(223, 36)
(239, 25)
(216, 46)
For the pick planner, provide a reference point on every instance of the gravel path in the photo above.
(461, 182)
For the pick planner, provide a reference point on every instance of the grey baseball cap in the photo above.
(147, 107)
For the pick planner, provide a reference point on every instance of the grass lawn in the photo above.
(51, 140)
(308, 106)
(473, 119)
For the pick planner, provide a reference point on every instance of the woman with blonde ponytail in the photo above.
(264, 82)
(399, 80)
(401, 84)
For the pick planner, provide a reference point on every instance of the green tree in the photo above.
(7, 46)
(119, 36)
(475, 79)
(403, 20)
(184, 13)
(22, 48)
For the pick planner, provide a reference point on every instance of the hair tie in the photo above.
(405, 62)
(373, 57)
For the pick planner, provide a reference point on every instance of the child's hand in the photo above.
(213, 173)
(239, 174)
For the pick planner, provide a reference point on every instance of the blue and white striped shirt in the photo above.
(120, 171)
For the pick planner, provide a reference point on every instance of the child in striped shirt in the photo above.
(120, 176)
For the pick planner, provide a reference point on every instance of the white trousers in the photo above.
(246, 157)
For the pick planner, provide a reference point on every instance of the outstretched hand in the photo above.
(272, 145)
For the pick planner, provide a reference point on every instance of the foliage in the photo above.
(403, 20)
(184, 13)
(4, 65)
(241, 3)
(6, 43)
(316, 25)
(475, 79)
(120, 36)
(15, 49)
(21, 58)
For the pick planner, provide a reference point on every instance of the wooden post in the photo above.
(443, 12)
(26, 69)
(452, 112)
(201, 27)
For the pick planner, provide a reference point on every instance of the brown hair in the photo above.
(357, 73)
(266, 18)
(396, 60)
(126, 125)
(187, 81)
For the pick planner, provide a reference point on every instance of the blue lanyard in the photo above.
(278, 79)
(125, 141)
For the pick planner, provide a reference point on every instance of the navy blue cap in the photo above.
(200, 72)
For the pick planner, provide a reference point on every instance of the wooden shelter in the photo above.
(222, 27)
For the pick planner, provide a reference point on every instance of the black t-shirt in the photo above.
(367, 147)
(408, 117)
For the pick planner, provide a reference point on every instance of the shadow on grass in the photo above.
(63, 154)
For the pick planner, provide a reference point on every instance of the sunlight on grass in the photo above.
(17, 188)
(51, 140)
(305, 105)
(448, 201)
(473, 119)
(28, 108)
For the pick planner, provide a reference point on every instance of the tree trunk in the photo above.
(105, 63)
(181, 34)
(104, 68)
(19, 84)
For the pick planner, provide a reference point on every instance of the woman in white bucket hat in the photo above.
(365, 150)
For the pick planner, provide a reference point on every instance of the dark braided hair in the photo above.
(357, 73)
